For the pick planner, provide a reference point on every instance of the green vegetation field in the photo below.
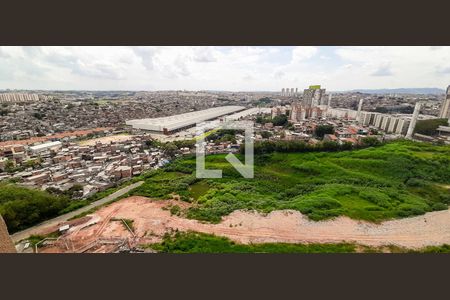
(22, 207)
(195, 242)
(394, 180)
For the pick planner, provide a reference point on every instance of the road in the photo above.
(18, 236)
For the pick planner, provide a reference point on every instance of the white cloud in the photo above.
(279, 74)
(223, 68)
(301, 53)
(204, 54)
(391, 67)
(383, 70)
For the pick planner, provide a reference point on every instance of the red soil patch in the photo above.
(152, 219)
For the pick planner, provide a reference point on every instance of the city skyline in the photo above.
(223, 68)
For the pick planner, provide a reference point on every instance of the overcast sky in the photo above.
(223, 68)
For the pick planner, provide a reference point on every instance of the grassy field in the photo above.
(194, 242)
(395, 180)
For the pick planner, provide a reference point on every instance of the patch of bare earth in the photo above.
(152, 218)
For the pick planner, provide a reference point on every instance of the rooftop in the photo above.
(45, 145)
(183, 120)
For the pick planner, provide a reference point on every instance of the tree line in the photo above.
(262, 147)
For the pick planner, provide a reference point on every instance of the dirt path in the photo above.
(152, 219)
(50, 224)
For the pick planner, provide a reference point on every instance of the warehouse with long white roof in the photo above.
(168, 125)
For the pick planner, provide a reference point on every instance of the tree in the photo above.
(266, 134)
(152, 143)
(264, 101)
(31, 163)
(38, 115)
(381, 109)
(280, 120)
(321, 130)
(22, 207)
(428, 127)
(170, 148)
(185, 143)
(370, 141)
(227, 138)
(75, 191)
(9, 166)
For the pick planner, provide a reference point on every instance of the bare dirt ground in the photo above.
(52, 225)
(103, 231)
(106, 139)
(55, 136)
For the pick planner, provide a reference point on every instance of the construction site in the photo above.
(129, 224)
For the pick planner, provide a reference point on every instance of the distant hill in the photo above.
(433, 91)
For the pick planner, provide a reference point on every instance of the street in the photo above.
(18, 236)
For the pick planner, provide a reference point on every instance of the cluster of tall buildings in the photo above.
(18, 97)
(289, 92)
(312, 105)
(314, 96)
(396, 124)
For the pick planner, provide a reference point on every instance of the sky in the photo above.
(255, 68)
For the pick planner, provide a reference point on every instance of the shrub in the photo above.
(406, 210)
(175, 210)
(439, 206)
(414, 182)
(370, 141)
(377, 198)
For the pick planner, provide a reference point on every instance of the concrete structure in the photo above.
(45, 146)
(367, 118)
(342, 113)
(18, 97)
(171, 124)
(248, 112)
(301, 113)
(413, 122)
(292, 92)
(282, 92)
(6, 244)
(313, 96)
(359, 108)
(396, 123)
(444, 132)
(445, 108)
